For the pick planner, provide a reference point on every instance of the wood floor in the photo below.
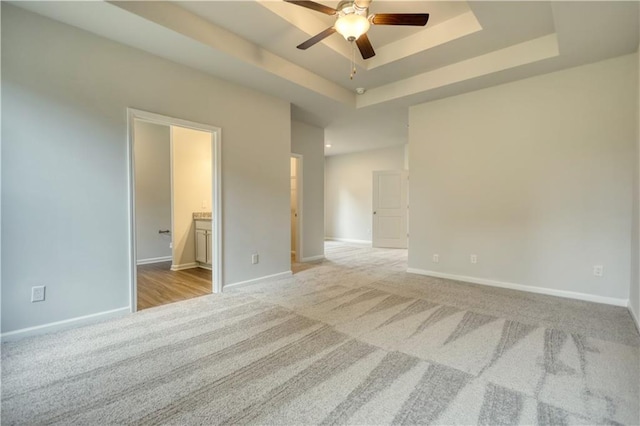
(159, 285)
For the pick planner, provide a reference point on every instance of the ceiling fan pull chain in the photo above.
(353, 60)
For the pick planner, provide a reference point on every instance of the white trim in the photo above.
(348, 240)
(260, 280)
(635, 316)
(153, 260)
(172, 196)
(64, 324)
(184, 266)
(313, 258)
(131, 185)
(216, 197)
(530, 289)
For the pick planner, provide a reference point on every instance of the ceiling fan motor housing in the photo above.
(348, 7)
(351, 20)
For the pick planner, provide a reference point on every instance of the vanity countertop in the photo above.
(201, 215)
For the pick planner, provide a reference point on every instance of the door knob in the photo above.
(374, 212)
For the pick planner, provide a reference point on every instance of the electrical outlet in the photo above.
(37, 294)
(255, 259)
(171, 245)
(598, 271)
(436, 258)
(474, 258)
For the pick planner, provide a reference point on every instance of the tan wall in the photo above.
(192, 188)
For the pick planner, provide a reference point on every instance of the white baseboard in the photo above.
(259, 280)
(63, 325)
(531, 289)
(184, 266)
(348, 240)
(312, 258)
(635, 317)
(153, 260)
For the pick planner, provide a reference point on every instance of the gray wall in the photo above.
(65, 199)
(308, 141)
(634, 290)
(349, 190)
(153, 190)
(534, 177)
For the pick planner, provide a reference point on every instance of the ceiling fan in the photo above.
(353, 22)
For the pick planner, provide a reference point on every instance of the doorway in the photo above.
(174, 183)
(296, 208)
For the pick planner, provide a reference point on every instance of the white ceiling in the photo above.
(465, 46)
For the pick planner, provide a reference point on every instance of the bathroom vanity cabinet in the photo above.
(204, 250)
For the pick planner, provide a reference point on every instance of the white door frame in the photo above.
(216, 195)
(299, 206)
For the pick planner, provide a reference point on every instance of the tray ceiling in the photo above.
(465, 46)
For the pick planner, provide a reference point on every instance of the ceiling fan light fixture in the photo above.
(352, 26)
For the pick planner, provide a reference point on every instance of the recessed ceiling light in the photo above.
(328, 145)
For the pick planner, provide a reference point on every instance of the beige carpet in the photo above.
(351, 340)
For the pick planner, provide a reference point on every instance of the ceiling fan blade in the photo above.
(316, 38)
(414, 19)
(314, 6)
(365, 47)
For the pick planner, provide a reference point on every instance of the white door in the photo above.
(390, 209)
(294, 205)
(297, 216)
